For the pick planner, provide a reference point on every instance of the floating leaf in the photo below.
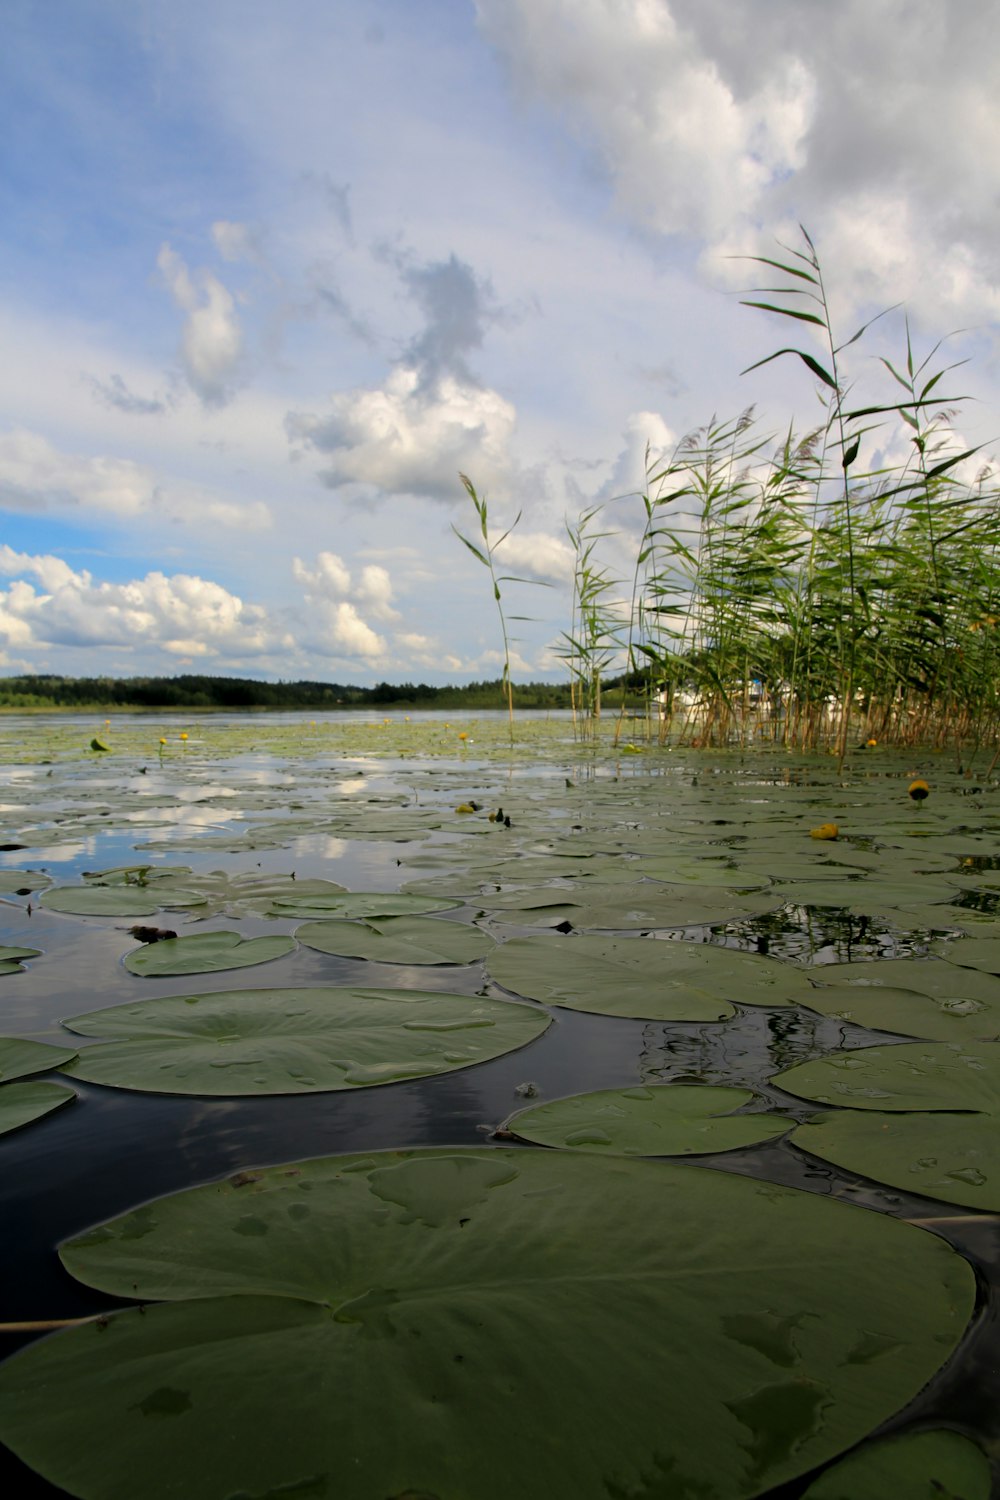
(11, 958)
(931, 976)
(254, 894)
(20, 1103)
(971, 953)
(937, 1465)
(398, 940)
(663, 1120)
(908, 1012)
(115, 900)
(296, 1041)
(354, 904)
(22, 882)
(954, 1157)
(649, 907)
(645, 978)
(205, 953)
(912, 1075)
(446, 1286)
(19, 1057)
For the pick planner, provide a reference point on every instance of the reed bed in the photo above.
(815, 592)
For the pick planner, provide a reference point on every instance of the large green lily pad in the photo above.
(907, 1012)
(671, 1119)
(11, 958)
(633, 908)
(644, 978)
(937, 1465)
(398, 940)
(549, 1325)
(116, 900)
(930, 976)
(252, 894)
(971, 953)
(954, 1157)
(22, 1103)
(19, 882)
(352, 905)
(296, 1041)
(205, 953)
(913, 1075)
(20, 1057)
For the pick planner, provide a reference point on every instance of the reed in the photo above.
(806, 591)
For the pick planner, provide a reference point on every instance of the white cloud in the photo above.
(183, 615)
(35, 475)
(403, 440)
(729, 125)
(211, 340)
(431, 418)
(537, 554)
(332, 623)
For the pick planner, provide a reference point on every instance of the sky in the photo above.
(273, 276)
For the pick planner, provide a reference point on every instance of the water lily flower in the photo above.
(919, 790)
(824, 831)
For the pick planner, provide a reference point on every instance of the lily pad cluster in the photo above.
(21, 1103)
(921, 1117)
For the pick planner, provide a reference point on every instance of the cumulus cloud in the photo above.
(536, 554)
(728, 124)
(402, 439)
(211, 339)
(333, 624)
(430, 418)
(183, 615)
(35, 475)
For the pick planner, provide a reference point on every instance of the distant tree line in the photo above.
(49, 690)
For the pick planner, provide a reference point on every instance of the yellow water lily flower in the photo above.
(919, 790)
(824, 831)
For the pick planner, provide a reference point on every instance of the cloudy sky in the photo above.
(271, 276)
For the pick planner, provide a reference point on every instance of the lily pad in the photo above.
(913, 1075)
(909, 1013)
(352, 905)
(21, 1103)
(953, 1157)
(296, 1041)
(448, 1286)
(20, 1057)
(930, 976)
(912, 1466)
(646, 907)
(663, 1120)
(398, 940)
(644, 978)
(19, 882)
(115, 900)
(971, 953)
(11, 958)
(253, 894)
(205, 953)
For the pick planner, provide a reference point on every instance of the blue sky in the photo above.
(271, 276)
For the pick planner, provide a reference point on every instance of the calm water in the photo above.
(113, 1149)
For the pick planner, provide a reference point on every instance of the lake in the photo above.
(658, 927)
